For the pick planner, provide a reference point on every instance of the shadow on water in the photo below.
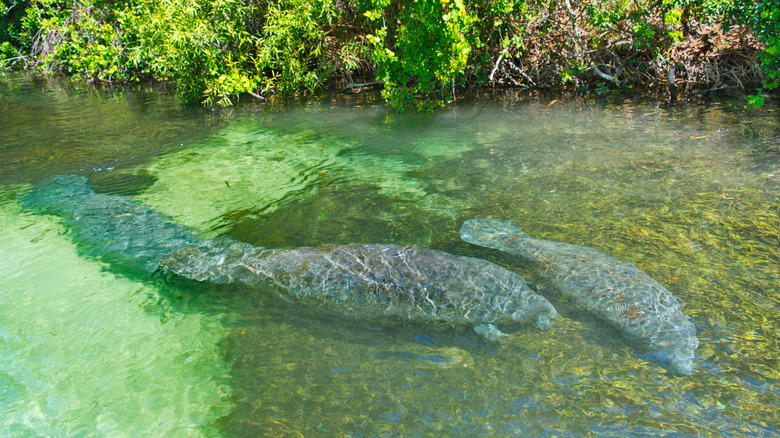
(121, 183)
(338, 214)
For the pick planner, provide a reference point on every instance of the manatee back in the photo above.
(623, 295)
(370, 281)
(221, 261)
(410, 282)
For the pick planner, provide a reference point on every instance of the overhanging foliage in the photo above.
(420, 51)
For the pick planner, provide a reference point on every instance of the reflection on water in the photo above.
(53, 127)
(688, 193)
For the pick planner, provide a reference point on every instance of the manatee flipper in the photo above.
(489, 331)
(488, 232)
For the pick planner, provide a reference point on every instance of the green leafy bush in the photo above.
(200, 45)
(420, 51)
(764, 18)
(421, 47)
(82, 39)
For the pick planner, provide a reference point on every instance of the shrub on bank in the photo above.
(419, 51)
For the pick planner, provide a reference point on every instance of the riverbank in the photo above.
(709, 61)
(421, 54)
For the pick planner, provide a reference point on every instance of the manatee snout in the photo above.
(544, 321)
(683, 356)
(683, 366)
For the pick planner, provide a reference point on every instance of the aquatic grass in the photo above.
(717, 250)
(685, 224)
(683, 204)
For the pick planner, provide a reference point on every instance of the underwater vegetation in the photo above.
(687, 194)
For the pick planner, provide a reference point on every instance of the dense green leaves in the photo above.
(420, 51)
(213, 50)
(426, 50)
(80, 39)
(202, 45)
(764, 18)
(9, 18)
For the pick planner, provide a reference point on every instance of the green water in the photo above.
(688, 192)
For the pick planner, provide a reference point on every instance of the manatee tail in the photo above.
(491, 233)
(56, 193)
(110, 226)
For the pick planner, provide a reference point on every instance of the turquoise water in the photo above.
(688, 192)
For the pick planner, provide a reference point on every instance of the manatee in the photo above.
(618, 292)
(366, 281)
(111, 226)
(373, 281)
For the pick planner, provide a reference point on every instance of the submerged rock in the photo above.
(615, 291)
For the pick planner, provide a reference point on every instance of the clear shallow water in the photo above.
(688, 193)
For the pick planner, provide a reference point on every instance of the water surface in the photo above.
(687, 192)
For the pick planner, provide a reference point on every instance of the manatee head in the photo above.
(681, 360)
(676, 347)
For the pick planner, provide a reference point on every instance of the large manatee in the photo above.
(358, 280)
(618, 292)
(373, 281)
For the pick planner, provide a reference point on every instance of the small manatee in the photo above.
(615, 291)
